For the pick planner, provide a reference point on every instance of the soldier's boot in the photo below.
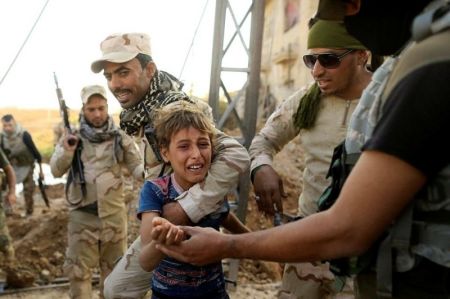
(80, 289)
(29, 204)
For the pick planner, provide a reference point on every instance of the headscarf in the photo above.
(332, 34)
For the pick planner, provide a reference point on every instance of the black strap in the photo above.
(398, 238)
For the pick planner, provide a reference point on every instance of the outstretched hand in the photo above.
(269, 190)
(165, 232)
(205, 246)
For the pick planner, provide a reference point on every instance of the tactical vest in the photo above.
(423, 230)
(16, 149)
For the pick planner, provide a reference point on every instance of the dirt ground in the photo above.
(40, 241)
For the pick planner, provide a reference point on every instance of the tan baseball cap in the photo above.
(122, 47)
(90, 90)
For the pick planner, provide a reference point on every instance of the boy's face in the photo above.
(189, 154)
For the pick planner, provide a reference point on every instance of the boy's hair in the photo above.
(181, 115)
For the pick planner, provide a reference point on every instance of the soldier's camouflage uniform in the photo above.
(6, 248)
(97, 228)
(23, 161)
(305, 280)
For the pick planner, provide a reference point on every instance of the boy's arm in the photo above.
(149, 256)
(234, 225)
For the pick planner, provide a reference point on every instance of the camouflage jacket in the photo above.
(102, 171)
(318, 142)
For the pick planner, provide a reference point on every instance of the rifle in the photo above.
(76, 173)
(44, 195)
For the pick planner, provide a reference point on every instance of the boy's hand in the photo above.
(164, 232)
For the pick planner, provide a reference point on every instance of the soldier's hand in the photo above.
(70, 142)
(269, 191)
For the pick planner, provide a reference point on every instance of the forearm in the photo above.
(234, 225)
(369, 202)
(60, 161)
(311, 239)
(150, 257)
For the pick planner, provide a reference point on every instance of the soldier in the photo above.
(140, 87)
(6, 249)
(97, 226)
(319, 113)
(393, 208)
(21, 151)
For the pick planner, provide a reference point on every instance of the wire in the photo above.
(193, 39)
(25, 41)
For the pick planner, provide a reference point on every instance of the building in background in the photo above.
(284, 44)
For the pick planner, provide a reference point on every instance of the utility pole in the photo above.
(249, 92)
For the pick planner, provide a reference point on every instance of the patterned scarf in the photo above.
(99, 135)
(164, 89)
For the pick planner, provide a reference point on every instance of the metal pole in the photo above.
(251, 97)
(217, 53)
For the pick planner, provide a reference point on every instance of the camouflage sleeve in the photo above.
(277, 132)
(204, 107)
(60, 161)
(132, 157)
(231, 159)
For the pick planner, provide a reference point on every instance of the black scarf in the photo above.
(164, 89)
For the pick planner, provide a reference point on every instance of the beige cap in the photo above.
(90, 90)
(122, 47)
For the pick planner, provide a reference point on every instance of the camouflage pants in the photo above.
(28, 190)
(311, 281)
(6, 248)
(128, 279)
(92, 241)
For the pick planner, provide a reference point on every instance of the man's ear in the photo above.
(352, 7)
(150, 69)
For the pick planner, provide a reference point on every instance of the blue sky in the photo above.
(66, 40)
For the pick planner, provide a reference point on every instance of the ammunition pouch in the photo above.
(341, 165)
